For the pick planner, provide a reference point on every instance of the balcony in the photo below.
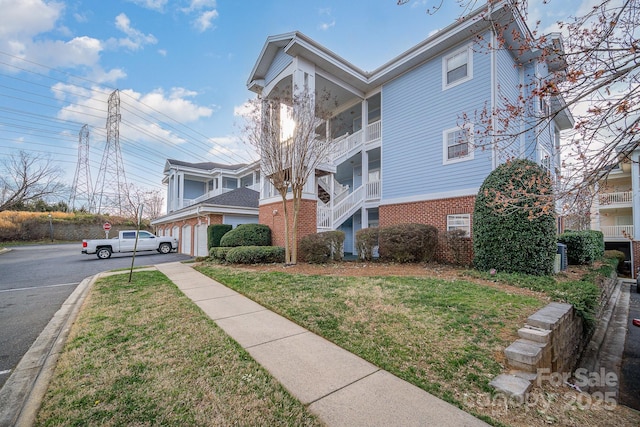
(614, 200)
(621, 232)
(345, 144)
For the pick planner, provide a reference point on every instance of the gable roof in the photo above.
(206, 166)
(240, 197)
(297, 44)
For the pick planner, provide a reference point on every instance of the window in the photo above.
(459, 222)
(544, 159)
(129, 235)
(458, 144)
(145, 235)
(457, 68)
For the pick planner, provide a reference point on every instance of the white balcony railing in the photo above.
(373, 190)
(617, 231)
(618, 198)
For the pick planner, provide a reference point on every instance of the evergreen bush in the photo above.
(247, 235)
(514, 226)
(215, 233)
(255, 255)
(583, 247)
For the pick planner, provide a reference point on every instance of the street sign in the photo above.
(106, 226)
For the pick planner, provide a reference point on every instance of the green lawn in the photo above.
(144, 354)
(445, 336)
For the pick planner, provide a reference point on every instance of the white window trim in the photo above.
(445, 147)
(469, 76)
(543, 154)
(467, 227)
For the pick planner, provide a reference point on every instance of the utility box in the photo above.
(562, 251)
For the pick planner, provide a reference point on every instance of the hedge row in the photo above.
(248, 254)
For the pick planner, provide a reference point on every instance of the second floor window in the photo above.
(457, 67)
(458, 144)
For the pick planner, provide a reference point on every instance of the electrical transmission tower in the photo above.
(111, 192)
(81, 190)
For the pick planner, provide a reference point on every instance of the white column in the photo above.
(635, 186)
(181, 189)
(365, 170)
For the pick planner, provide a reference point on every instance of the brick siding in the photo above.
(272, 215)
(165, 229)
(433, 212)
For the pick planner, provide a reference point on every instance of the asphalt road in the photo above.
(629, 392)
(34, 283)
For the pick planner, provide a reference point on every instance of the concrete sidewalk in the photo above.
(339, 387)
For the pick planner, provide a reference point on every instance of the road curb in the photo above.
(22, 394)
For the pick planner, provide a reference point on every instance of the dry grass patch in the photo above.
(144, 354)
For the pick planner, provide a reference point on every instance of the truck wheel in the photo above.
(164, 248)
(104, 253)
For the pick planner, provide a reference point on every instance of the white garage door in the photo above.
(200, 243)
(236, 220)
(185, 246)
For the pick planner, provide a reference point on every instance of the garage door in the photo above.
(200, 243)
(236, 220)
(185, 246)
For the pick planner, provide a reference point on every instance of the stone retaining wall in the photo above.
(552, 338)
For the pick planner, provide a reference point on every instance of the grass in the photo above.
(445, 336)
(144, 354)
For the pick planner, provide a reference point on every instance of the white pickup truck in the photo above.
(125, 242)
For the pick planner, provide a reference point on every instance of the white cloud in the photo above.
(195, 5)
(203, 21)
(26, 18)
(157, 5)
(135, 39)
(325, 25)
(146, 117)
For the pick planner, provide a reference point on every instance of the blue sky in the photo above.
(181, 68)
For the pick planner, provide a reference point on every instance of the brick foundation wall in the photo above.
(433, 212)
(272, 215)
(635, 253)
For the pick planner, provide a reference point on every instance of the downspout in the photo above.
(494, 84)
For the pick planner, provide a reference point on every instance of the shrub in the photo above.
(583, 247)
(408, 242)
(247, 235)
(322, 247)
(514, 226)
(456, 243)
(366, 241)
(255, 254)
(219, 253)
(617, 255)
(215, 233)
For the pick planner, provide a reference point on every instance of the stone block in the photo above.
(534, 334)
(511, 385)
(524, 351)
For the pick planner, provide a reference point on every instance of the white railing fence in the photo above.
(620, 197)
(617, 231)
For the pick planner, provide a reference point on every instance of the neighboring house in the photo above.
(201, 194)
(403, 153)
(616, 209)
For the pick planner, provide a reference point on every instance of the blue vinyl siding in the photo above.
(508, 92)
(280, 62)
(415, 112)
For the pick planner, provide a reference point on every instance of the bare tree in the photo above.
(153, 201)
(26, 178)
(598, 81)
(283, 130)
